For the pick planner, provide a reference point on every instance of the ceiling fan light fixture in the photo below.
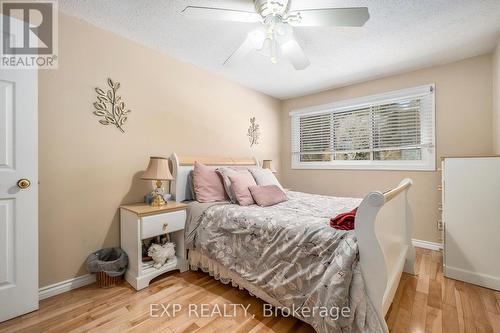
(293, 52)
(274, 33)
(275, 37)
(271, 7)
(257, 36)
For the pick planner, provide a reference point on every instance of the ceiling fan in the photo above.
(275, 38)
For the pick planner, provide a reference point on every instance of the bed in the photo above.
(290, 257)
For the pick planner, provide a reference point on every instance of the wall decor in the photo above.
(253, 132)
(110, 106)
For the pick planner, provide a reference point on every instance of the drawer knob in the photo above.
(165, 225)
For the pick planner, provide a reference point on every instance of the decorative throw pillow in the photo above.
(267, 195)
(240, 184)
(225, 172)
(208, 185)
(265, 177)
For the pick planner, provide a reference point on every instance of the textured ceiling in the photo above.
(401, 35)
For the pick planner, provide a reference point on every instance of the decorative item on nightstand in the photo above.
(268, 164)
(161, 253)
(159, 171)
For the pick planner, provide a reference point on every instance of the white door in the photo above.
(18, 198)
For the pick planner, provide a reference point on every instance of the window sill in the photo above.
(364, 166)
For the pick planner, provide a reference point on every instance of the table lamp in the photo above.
(268, 164)
(159, 171)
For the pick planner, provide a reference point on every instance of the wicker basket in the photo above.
(106, 281)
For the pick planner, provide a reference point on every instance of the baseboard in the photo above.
(484, 280)
(80, 281)
(64, 286)
(427, 245)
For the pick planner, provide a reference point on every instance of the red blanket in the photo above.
(344, 221)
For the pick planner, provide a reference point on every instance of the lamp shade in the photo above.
(268, 164)
(158, 169)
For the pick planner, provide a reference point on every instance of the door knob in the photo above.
(23, 183)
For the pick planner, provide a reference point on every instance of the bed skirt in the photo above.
(226, 276)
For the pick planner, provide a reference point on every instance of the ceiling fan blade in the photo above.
(292, 51)
(245, 48)
(221, 14)
(346, 17)
(254, 40)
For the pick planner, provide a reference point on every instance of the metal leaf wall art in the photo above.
(253, 132)
(110, 106)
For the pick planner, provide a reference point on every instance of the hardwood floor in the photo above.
(426, 302)
(429, 302)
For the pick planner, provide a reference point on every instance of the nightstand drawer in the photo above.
(162, 223)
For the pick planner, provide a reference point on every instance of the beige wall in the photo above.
(463, 120)
(87, 170)
(496, 98)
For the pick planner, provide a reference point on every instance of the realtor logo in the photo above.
(29, 34)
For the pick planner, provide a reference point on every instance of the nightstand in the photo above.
(141, 221)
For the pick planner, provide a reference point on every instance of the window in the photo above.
(392, 131)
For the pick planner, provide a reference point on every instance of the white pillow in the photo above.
(264, 177)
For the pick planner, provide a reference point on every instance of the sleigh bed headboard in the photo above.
(182, 165)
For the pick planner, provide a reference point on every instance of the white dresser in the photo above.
(471, 218)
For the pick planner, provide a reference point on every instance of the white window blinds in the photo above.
(394, 130)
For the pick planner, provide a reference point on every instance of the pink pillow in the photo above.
(239, 184)
(267, 195)
(224, 172)
(207, 184)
